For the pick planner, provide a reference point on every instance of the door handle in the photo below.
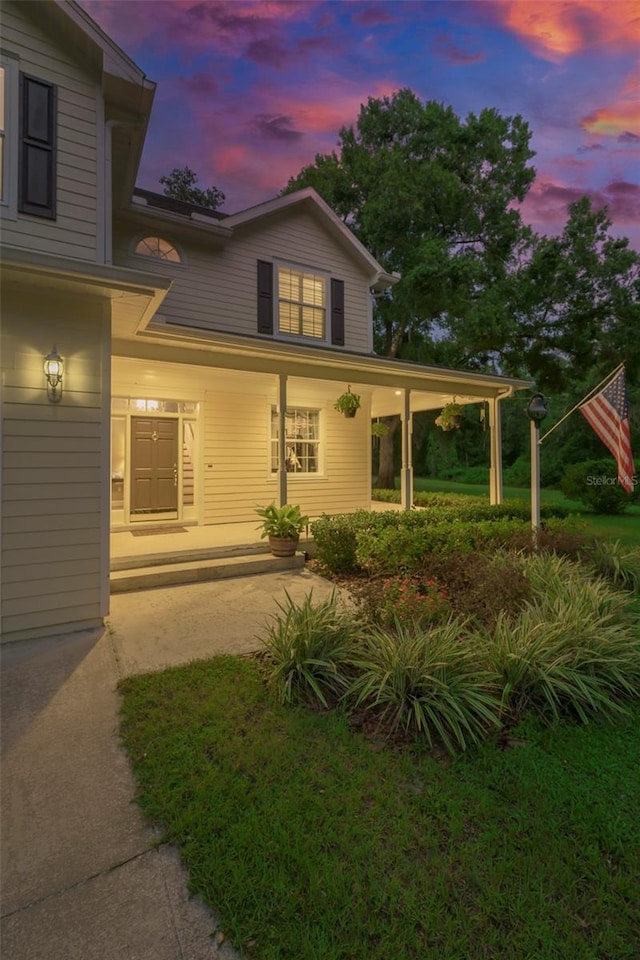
(175, 474)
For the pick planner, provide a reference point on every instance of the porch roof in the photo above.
(431, 386)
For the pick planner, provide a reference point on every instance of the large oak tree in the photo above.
(433, 197)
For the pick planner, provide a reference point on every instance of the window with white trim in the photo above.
(159, 248)
(302, 302)
(302, 440)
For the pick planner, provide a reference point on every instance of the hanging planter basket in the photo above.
(379, 429)
(348, 403)
(450, 417)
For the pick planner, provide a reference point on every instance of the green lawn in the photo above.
(313, 843)
(625, 527)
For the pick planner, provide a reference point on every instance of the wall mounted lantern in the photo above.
(53, 370)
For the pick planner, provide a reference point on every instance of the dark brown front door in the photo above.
(154, 467)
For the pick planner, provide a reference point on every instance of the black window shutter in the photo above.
(37, 168)
(337, 312)
(265, 297)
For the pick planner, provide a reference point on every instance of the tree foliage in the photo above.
(437, 198)
(181, 185)
(432, 197)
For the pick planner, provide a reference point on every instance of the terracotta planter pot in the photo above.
(283, 546)
(350, 413)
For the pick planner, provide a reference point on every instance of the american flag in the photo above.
(608, 414)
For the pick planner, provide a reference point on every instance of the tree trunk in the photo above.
(386, 473)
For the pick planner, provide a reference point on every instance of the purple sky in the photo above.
(249, 92)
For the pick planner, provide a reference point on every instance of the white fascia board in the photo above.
(336, 365)
(17, 262)
(115, 60)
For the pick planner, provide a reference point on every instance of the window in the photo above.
(302, 428)
(302, 303)
(158, 248)
(37, 168)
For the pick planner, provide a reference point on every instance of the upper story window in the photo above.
(302, 302)
(159, 248)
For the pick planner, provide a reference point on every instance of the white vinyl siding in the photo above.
(74, 232)
(54, 558)
(218, 289)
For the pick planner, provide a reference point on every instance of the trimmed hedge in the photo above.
(467, 507)
(389, 541)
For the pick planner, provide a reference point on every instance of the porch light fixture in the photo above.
(536, 410)
(53, 370)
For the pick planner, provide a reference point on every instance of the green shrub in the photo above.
(335, 540)
(595, 484)
(307, 646)
(616, 562)
(573, 648)
(480, 585)
(403, 548)
(426, 682)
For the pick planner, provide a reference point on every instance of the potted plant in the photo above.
(283, 526)
(348, 403)
(449, 418)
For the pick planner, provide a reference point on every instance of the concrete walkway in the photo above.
(82, 875)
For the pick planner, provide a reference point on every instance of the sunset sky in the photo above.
(249, 92)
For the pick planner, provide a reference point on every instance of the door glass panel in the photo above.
(118, 446)
(188, 459)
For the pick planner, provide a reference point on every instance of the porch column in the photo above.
(495, 442)
(406, 473)
(282, 439)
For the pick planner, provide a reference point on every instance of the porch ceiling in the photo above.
(430, 387)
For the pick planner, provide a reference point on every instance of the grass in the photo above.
(625, 527)
(311, 842)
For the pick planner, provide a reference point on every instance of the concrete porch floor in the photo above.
(148, 540)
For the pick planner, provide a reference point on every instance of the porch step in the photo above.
(185, 556)
(145, 577)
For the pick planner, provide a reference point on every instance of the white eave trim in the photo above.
(15, 261)
(337, 365)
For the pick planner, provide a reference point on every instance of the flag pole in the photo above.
(584, 400)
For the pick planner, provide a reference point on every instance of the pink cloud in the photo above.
(556, 30)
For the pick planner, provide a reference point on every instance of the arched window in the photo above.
(159, 248)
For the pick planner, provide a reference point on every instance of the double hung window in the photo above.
(302, 303)
(302, 440)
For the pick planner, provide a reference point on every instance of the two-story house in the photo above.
(202, 353)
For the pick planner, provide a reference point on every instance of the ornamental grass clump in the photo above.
(574, 649)
(425, 682)
(308, 646)
(617, 562)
